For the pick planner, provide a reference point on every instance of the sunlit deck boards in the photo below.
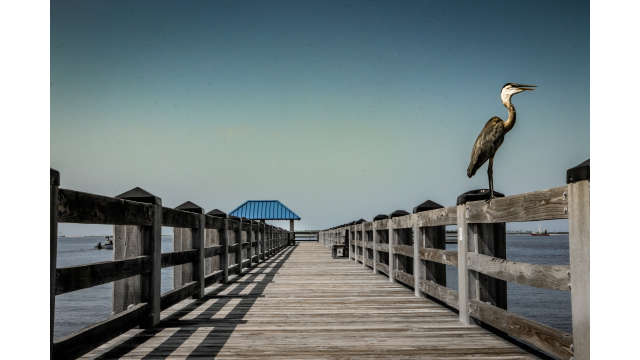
(302, 304)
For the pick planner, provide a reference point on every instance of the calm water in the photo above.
(81, 308)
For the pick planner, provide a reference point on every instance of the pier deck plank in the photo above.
(303, 304)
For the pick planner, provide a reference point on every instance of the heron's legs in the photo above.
(490, 173)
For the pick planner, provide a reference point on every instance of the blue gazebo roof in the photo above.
(264, 210)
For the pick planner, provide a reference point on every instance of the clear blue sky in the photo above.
(339, 109)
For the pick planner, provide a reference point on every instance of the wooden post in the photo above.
(239, 246)
(131, 241)
(432, 237)
(360, 232)
(198, 265)
(463, 274)
(292, 234)
(578, 179)
(363, 251)
(486, 239)
(268, 241)
(392, 237)
(250, 239)
(354, 235)
(417, 244)
(261, 241)
(191, 239)
(152, 282)
(435, 237)
(54, 184)
(212, 238)
(224, 258)
(374, 236)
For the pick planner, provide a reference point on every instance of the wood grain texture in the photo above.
(79, 207)
(182, 241)
(538, 205)
(291, 307)
(436, 217)
(447, 257)
(54, 181)
(213, 277)
(382, 224)
(212, 251)
(579, 250)
(442, 293)
(382, 248)
(383, 268)
(178, 257)
(127, 243)
(555, 277)
(176, 295)
(552, 341)
(402, 222)
(179, 219)
(404, 250)
(403, 277)
(78, 277)
(213, 222)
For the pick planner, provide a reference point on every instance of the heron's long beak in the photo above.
(523, 87)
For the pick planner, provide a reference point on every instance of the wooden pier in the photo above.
(247, 292)
(410, 249)
(291, 307)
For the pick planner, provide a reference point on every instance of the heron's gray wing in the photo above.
(487, 142)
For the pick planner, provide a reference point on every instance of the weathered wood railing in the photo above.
(138, 217)
(410, 248)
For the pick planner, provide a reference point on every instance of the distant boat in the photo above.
(108, 243)
(540, 232)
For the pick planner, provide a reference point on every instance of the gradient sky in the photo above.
(340, 109)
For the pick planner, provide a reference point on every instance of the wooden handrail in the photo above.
(79, 277)
(263, 241)
(178, 257)
(555, 277)
(447, 257)
(79, 207)
(547, 339)
(478, 267)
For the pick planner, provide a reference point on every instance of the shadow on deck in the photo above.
(303, 304)
(219, 329)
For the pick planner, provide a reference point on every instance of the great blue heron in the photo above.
(492, 134)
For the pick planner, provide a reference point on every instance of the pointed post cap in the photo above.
(190, 207)
(475, 195)
(217, 213)
(380, 217)
(579, 173)
(399, 213)
(140, 195)
(54, 177)
(426, 206)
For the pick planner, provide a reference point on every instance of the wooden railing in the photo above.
(411, 249)
(138, 217)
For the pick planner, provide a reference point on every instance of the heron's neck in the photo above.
(511, 120)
